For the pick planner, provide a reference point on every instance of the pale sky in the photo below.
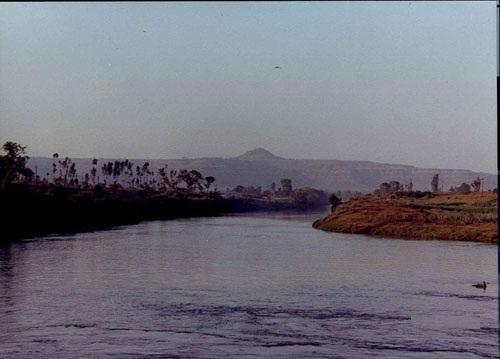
(397, 82)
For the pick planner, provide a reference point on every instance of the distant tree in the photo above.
(273, 187)
(86, 180)
(144, 174)
(196, 177)
(476, 184)
(349, 194)
(435, 183)
(173, 179)
(190, 178)
(65, 167)
(239, 189)
(308, 197)
(116, 171)
(13, 164)
(55, 156)
(109, 168)
(383, 188)
(72, 174)
(410, 186)
(162, 172)
(463, 188)
(286, 186)
(130, 172)
(334, 201)
(389, 188)
(93, 171)
(184, 178)
(395, 186)
(208, 182)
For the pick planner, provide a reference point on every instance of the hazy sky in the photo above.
(402, 82)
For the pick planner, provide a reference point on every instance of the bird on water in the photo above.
(480, 285)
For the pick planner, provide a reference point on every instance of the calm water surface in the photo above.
(245, 286)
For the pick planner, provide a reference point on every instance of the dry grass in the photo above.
(446, 216)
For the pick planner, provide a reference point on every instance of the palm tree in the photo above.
(66, 166)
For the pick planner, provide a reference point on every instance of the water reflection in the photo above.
(6, 275)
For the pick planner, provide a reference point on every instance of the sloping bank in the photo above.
(36, 210)
(444, 216)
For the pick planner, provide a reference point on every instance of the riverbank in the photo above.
(36, 210)
(443, 216)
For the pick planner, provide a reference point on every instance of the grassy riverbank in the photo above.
(444, 216)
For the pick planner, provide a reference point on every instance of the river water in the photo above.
(245, 286)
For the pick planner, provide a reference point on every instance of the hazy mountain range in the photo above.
(260, 167)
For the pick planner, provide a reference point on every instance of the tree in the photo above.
(13, 164)
(208, 182)
(66, 166)
(72, 174)
(389, 188)
(435, 183)
(334, 201)
(384, 188)
(55, 156)
(395, 186)
(196, 177)
(273, 187)
(309, 197)
(239, 189)
(173, 179)
(117, 170)
(410, 186)
(190, 178)
(144, 172)
(476, 184)
(86, 180)
(286, 186)
(93, 171)
(463, 188)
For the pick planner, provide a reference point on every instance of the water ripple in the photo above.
(454, 295)
(272, 312)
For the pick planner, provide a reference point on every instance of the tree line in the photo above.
(395, 186)
(114, 175)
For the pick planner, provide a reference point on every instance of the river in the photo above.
(245, 286)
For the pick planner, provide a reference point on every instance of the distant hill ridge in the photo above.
(260, 167)
(258, 154)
